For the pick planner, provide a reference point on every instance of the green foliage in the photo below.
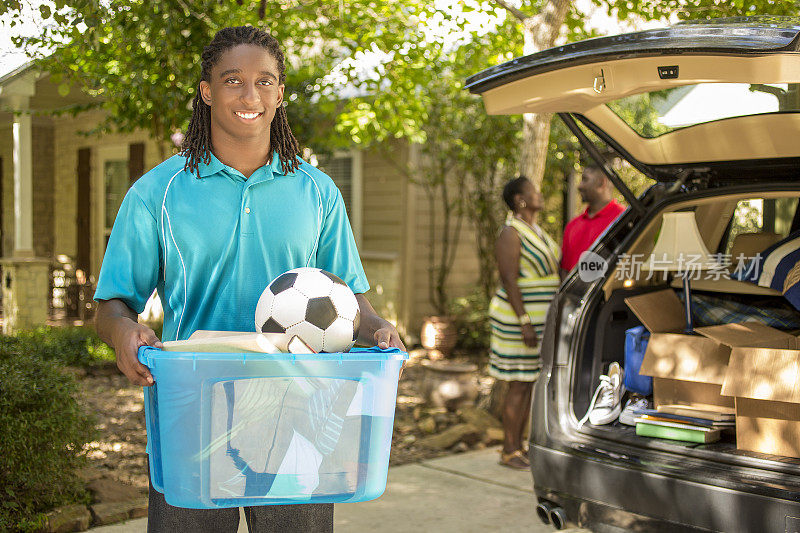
(43, 430)
(421, 69)
(471, 320)
(639, 112)
(67, 346)
(563, 159)
(465, 155)
(143, 58)
(698, 9)
(466, 159)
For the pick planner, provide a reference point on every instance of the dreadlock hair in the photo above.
(196, 145)
(513, 188)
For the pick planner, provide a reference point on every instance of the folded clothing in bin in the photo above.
(279, 430)
(239, 429)
(635, 346)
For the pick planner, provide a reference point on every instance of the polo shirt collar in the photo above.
(275, 165)
(214, 165)
(599, 213)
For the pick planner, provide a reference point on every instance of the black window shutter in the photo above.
(84, 218)
(135, 161)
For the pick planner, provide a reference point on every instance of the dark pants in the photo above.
(306, 518)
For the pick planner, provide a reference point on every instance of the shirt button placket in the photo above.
(246, 225)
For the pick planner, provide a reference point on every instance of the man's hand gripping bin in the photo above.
(242, 429)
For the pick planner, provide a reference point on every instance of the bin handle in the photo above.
(144, 355)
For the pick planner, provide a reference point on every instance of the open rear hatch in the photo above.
(693, 94)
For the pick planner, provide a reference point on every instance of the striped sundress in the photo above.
(510, 359)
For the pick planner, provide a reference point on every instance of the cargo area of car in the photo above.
(746, 224)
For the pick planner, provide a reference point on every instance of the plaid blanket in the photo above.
(711, 311)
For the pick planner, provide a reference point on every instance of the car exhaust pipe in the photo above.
(558, 518)
(543, 511)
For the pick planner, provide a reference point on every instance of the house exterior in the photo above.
(60, 190)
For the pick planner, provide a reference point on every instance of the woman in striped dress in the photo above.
(527, 259)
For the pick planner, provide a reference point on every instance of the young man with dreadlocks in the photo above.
(212, 225)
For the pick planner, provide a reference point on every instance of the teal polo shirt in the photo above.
(211, 244)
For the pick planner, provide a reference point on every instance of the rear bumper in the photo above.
(595, 492)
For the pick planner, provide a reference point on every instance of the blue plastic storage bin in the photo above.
(230, 430)
(635, 346)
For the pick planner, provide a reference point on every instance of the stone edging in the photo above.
(81, 517)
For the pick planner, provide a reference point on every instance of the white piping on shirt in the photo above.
(180, 256)
(319, 227)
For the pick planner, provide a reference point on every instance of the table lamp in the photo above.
(679, 242)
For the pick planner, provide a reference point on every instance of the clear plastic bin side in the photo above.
(234, 431)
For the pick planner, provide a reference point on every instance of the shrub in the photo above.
(43, 430)
(71, 346)
(471, 319)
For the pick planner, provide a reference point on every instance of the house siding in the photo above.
(464, 275)
(383, 190)
(397, 221)
(43, 193)
(68, 140)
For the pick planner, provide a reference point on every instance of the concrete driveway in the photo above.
(462, 493)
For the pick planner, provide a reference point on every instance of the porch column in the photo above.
(25, 283)
(23, 178)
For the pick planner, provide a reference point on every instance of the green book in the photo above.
(672, 433)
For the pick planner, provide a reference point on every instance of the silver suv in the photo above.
(710, 112)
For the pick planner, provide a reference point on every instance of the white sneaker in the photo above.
(634, 403)
(606, 403)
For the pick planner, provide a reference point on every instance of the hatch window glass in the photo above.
(658, 112)
(763, 221)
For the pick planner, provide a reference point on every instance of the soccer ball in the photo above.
(312, 304)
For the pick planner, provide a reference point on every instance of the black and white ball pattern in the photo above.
(313, 304)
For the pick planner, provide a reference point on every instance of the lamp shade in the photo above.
(679, 245)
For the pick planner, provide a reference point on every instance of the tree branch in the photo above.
(519, 15)
(190, 12)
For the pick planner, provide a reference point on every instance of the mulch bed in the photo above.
(118, 406)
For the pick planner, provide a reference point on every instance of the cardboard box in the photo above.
(691, 369)
(766, 384)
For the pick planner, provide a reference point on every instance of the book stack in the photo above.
(679, 422)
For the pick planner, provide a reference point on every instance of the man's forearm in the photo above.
(111, 316)
(370, 322)
(118, 326)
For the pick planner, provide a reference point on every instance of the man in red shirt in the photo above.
(602, 209)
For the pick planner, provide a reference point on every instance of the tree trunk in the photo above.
(540, 33)
(536, 135)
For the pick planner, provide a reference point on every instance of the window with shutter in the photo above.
(344, 168)
(340, 169)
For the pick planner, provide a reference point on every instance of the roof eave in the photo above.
(17, 72)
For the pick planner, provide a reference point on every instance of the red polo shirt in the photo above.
(582, 231)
